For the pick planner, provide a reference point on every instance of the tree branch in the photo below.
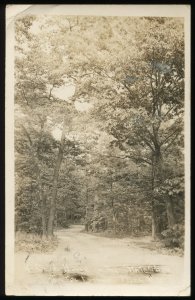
(168, 111)
(136, 158)
(169, 136)
(147, 143)
(171, 142)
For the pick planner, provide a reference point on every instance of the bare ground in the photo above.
(85, 264)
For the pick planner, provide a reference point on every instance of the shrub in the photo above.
(174, 237)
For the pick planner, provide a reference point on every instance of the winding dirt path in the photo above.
(117, 266)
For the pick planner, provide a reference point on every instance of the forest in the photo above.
(99, 125)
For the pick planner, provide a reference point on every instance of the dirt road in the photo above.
(86, 264)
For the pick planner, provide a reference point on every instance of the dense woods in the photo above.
(99, 133)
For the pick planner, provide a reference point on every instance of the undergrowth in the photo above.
(29, 242)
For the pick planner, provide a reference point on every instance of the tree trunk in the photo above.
(170, 212)
(44, 222)
(86, 227)
(112, 205)
(54, 192)
(56, 223)
(42, 199)
(156, 163)
(114, 220)
(155, 227)
(86, 218)
(86, 207)
(113, 217)
(55, 184)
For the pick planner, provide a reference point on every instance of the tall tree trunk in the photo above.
(86, 207)
(155, 172)
(55, 184)
(56, 220)
(156, 152)
(42, 198)
(112, 203)
(43, 215)
(155, 225)
(170, 212)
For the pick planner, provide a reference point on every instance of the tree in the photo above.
(138, 94)
(131, 139)
(36, 77)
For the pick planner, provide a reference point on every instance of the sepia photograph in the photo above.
(98, 150)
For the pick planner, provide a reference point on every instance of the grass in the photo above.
(141, 241)
(159, 247)
(171, 251)
(29, 242)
